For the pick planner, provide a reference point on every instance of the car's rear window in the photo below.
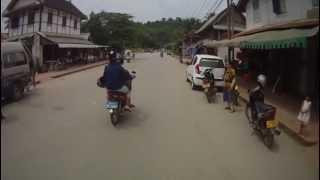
(214, 63)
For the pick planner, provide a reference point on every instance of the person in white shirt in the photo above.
(304, 114)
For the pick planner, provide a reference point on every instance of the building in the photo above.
(265, 12)
(50, 28)
(281, 40)
(216, 29)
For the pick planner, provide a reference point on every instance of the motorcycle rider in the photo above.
(116, 78)
(257, 94)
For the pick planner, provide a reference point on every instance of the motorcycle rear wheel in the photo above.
(114, 119)
(268, 140)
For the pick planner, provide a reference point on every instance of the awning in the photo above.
(291, 38)
(269, 39)
(68, 40)
(86, 46)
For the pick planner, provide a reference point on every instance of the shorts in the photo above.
(226, 96)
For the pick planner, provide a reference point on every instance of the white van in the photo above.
(15, 70)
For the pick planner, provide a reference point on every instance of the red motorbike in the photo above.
(116, 102)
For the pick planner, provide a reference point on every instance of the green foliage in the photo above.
(119, 30)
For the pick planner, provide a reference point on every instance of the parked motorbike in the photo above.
(263, 120)
(116, 103)
(208, 85)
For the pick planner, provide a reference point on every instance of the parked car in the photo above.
(201, 62)
(15, 70)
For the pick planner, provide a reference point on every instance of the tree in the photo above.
(119, 30)
(113, 29)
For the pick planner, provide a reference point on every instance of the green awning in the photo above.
(291, 38)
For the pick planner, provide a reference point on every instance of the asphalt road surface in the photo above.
(61, 132)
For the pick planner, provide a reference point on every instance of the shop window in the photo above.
(50, 15)
(31, 16)
(75, 24)
(279, 6)
(255, 4)
(64, 20)
(14, 22)
(256, 12)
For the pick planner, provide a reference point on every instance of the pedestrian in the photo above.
(304, 114)
(229, 85)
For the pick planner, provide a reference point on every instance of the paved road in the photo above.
(61, 131)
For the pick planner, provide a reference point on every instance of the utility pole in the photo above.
(232, 28)
(229, 28)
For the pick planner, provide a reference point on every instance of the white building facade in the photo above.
(265, 12)
(48, 25)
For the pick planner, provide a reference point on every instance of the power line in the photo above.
(218, 6)
(213, 5)
(210, 9)
(198, 9)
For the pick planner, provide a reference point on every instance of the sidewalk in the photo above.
(43, 77)
(287, 111)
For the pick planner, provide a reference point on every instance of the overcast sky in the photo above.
(144, 10)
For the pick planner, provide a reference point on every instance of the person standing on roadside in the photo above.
(229, 85)
(33, 71)
(304, 114)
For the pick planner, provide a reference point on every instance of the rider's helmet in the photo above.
(262, 79)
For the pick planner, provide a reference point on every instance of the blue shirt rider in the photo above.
(115, 78)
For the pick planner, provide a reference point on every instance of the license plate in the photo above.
(271, 124)
(111, 105)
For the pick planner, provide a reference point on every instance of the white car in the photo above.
(199, 64)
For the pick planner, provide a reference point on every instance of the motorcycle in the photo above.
(263, 121)
(116, 101)
(208, 85)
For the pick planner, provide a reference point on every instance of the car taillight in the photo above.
(197, 69)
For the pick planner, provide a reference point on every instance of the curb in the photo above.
(289, 131)
(77, 70)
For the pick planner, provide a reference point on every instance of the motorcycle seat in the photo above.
(264, 107)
